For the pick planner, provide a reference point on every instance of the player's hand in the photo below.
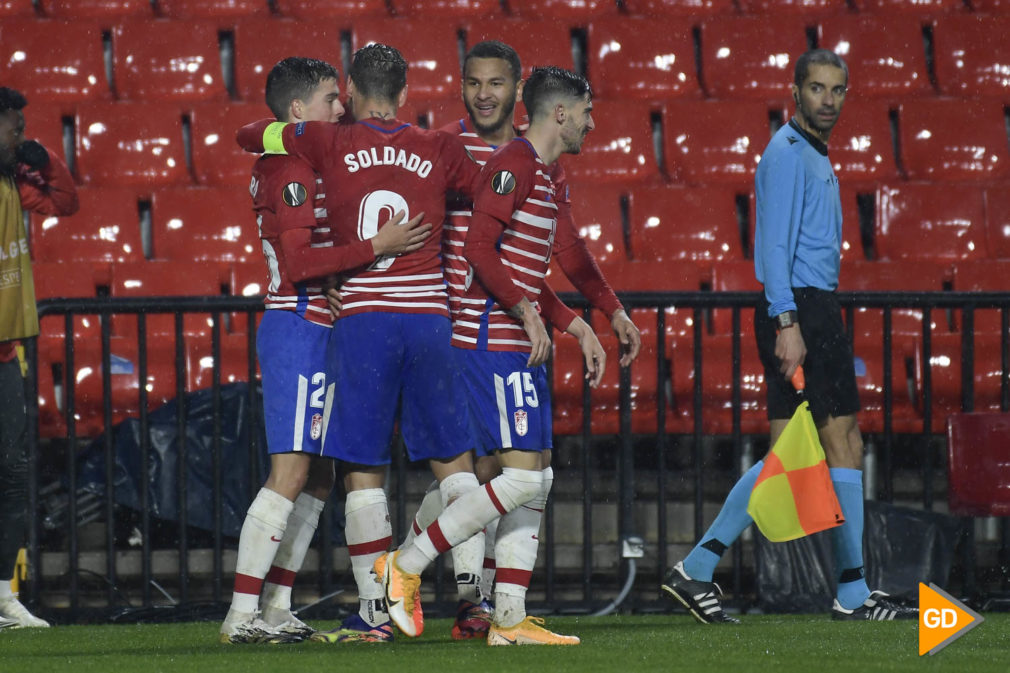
(397, 239)
(790, 350)
(535, 331)
(333, 302)
(592, 351)
(629, 336)
(32, 154)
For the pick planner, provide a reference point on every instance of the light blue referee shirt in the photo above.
(798, 236)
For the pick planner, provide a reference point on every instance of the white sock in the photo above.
(467, 556)
(5, 589)
(431, 507)
(516, 554)
(302, 524)
(469, 514)
(369, 534)
(488, 569)
(262, 532)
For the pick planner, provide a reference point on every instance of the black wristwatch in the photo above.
(786, 319)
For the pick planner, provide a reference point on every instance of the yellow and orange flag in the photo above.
(793, 495)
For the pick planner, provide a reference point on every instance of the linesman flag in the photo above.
(793, 495)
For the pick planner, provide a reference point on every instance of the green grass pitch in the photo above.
(669, 643)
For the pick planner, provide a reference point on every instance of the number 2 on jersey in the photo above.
(377, 206)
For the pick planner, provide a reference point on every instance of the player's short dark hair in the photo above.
(379, 71)
(546, 84)
(496, 49)
(817, 57)
(295, 78)
(11, 99)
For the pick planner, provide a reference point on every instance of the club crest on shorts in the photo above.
(503, 182)
(294, 194)
(521, 422)
(316, 430)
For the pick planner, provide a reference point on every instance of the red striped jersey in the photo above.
(515, 188)
(371, 169)
(287, 195)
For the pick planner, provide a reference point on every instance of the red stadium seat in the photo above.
(562, 10)
(605, 410)
(446, 9)
(920, 221)
(44, 123)
(217, 159)
(946, 371)
(997, 220)
(204, 224)
(977, 465)
(161, 60)
(106, 229)
(215, 9)
(537, 42)
(434, 62)
(596, 210)
(893, 276)
(938, 144)
(620, 148)
(983, 275)
(345, 10)
(130, 144)
(852, 237)
(630, 59)
(249, 279)
(884, 57)
(29, 62)
(717, 385)
(804, 7)
(990, 6)
(919, 7)
(672, 224)
(706, 142)
(17, 8)
(167, 279)
(751, 57)
(234, 362)
(261, 43)
(55, 280)
(861, 147)
(734, 276)
(95, 9)
(972, 55)
(693, 8)
(869, 365)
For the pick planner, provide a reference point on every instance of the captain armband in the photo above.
(273, 138)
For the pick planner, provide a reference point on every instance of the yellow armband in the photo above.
(273, 138)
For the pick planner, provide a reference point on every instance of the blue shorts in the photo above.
(510, 403)
(296, 396)
(388, 362)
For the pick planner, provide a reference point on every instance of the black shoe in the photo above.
(700, 598)
(879, 607)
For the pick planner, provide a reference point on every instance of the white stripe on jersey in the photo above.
(527, 237)
(528, 272)
(509, 342)
(534, 220)
(457, 213)
(465, 339)
(524, 253)
(503, 422)
(327, 244)
(543, 204)
(393, 304)
(425, 289)
(397, 279)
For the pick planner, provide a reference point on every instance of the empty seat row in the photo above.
(692, 142)
(738, 57)
(550, 9)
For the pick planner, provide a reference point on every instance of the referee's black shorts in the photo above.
(828, 367)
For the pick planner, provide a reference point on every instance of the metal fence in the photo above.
(617, 496)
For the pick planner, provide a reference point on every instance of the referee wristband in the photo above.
(273, 138)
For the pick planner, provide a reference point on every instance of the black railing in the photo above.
(580, 570)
